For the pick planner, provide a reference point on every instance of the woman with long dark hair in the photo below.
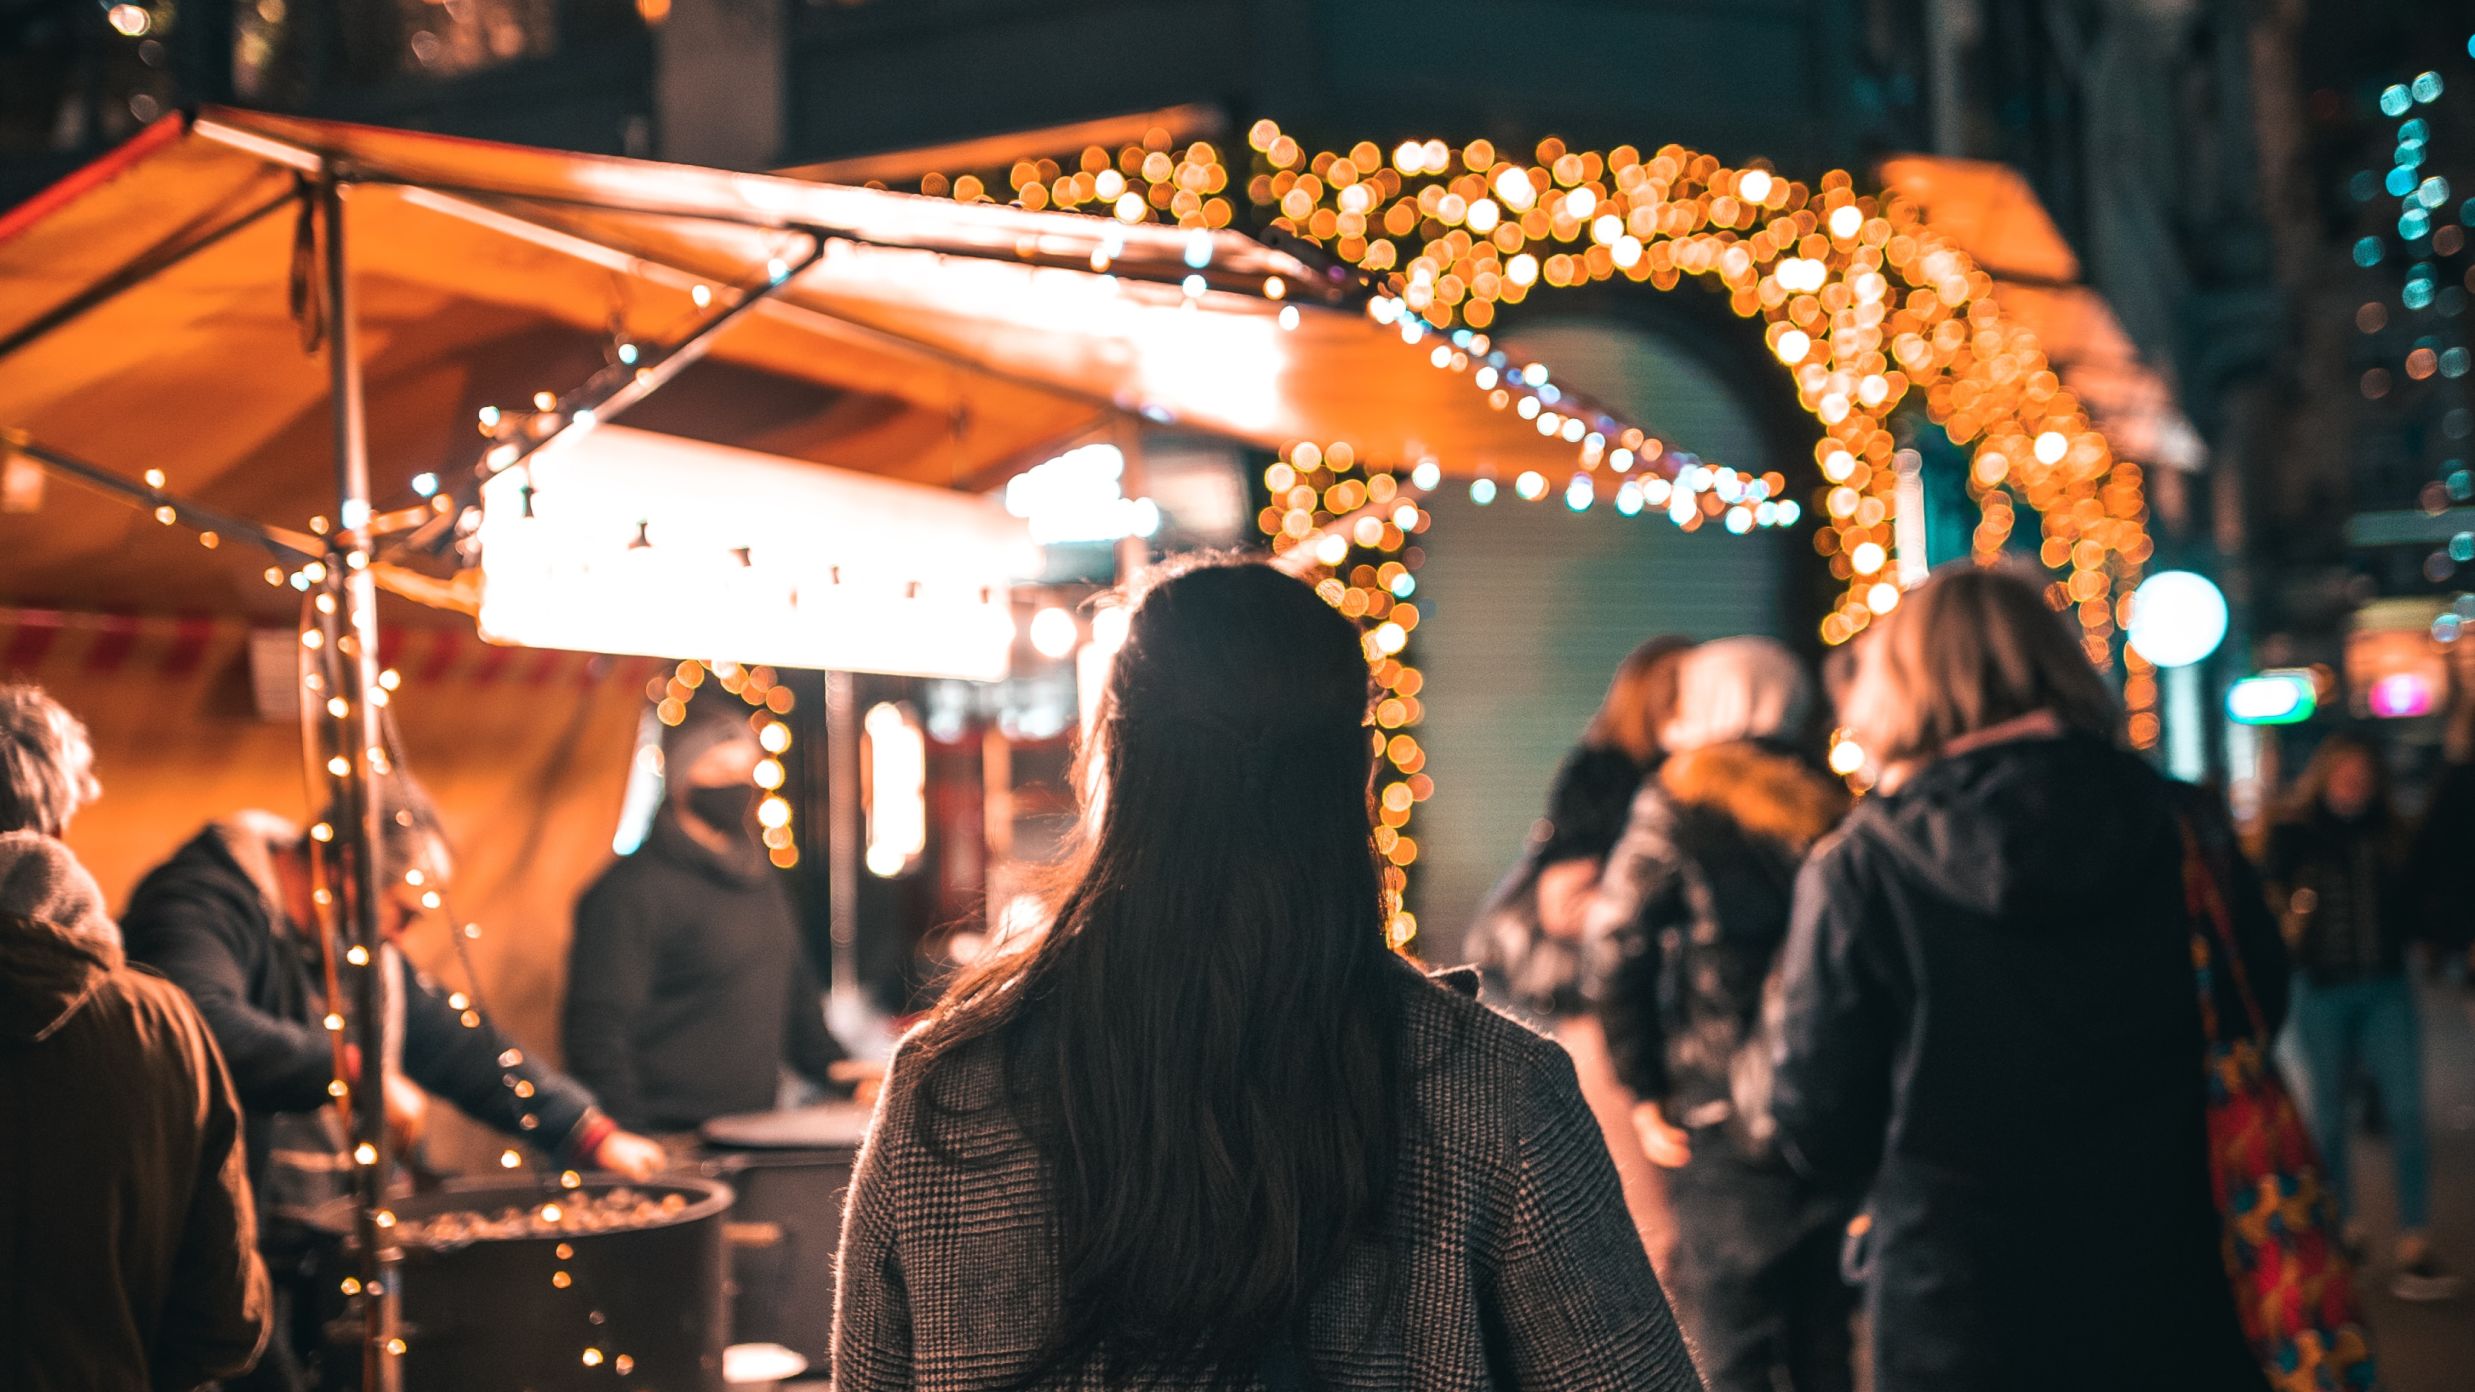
(1207, 1129)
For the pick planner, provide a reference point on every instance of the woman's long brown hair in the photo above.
(1205, 1043)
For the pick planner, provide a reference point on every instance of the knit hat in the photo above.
(1736, 689)
(708, 725)
(56, 943)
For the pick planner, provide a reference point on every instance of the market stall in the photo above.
(315, 356)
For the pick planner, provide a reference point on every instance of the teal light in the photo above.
(1482, 491)
(2433, 192)
(2395, 100)
(2414, 223)
(2368, 252)
(2426, 87)
(2401, 180)
(2284, 696)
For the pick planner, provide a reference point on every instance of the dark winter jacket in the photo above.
(1991, 1013)
(1689, 916)
(1539, 972)
(208, 918)
(2342, 888)
(688, 988)
(128, 1250)
(2439, 876)
(1508, 1236)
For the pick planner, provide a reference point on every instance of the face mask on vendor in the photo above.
(724, 808)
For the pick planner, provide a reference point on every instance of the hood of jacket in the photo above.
(1767, 792)
(233, 860)
(2034, 829)
(56, 943)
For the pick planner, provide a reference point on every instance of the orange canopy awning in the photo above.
(1988, 210)
(154, 312)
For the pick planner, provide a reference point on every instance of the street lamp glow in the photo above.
(1053, 632)
(2177, 618)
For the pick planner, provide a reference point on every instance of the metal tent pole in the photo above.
(844, 833)
(358, 754)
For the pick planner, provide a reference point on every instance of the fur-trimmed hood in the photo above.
(56, 943)
(1763, 790)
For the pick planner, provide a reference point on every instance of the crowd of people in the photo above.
(1937, 1064)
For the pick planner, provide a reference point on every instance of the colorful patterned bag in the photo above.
(2293, 1289)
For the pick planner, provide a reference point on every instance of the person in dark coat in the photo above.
(1207, 1129)
(688, 988)
(231, 919)
(1990, 1017)
(128, 1244)
(2341, 868)
(1682, 931)
(1526, 941)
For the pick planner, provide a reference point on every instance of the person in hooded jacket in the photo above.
(1682, 930)
(232, 918)
(688, 988)
(1990, 1016)
(128, 1244)
(2343, 870)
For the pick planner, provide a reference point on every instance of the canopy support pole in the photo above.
(285, 546)
(844, 831)
(355, 744)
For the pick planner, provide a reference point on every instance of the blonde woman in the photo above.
(1991, 1022)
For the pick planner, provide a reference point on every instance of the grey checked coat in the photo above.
(1518, 1265)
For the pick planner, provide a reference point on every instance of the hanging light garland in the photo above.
(1862, 303)
(762, 690)
(1352, 520)
(1859, 300)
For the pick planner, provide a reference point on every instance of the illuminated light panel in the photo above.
(2402, 696)
(2281, 697)
(897, 808)
(653, 545)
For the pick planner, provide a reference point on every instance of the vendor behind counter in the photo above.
(688, 989)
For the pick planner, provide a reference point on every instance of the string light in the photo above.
(1863, 303)
(1360, 524)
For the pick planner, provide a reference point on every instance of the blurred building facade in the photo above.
(2362, 518)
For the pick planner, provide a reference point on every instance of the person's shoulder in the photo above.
(628, 883)
(162, 1012)
(960, 1087)
(1460, 1046)
(201, 877)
